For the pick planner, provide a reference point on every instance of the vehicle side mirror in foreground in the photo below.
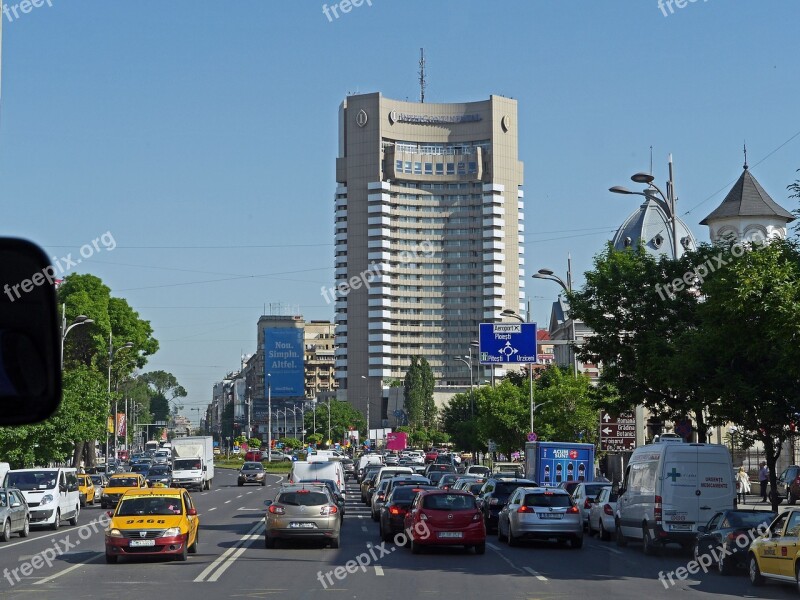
(30, 348)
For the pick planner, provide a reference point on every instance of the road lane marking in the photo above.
(493, 547)
(379, 570)
(227, 501)
(70, 569)
(608, 549)
(210, 509)
(63, 532)
(364, 528)
(535, 574)
(226, 559)
(240, 495)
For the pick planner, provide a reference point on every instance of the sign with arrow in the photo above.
(617, 434)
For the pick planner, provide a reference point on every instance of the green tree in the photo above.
(413, 394)
(315, 438)
(503, 415)
(460, 421)
(569, 413)
(428, 384)
(343, 417)
(292, 443)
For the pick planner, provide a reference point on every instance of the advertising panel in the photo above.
(283, 361)
(551, 463)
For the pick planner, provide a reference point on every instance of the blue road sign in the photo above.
(507, 343)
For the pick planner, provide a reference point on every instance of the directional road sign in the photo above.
(617, 434)
(504, 343)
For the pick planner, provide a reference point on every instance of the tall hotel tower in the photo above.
(429, 238)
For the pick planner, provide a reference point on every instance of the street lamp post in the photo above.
(368, 403)
(111, 354)
(549, 275)
(79, 320)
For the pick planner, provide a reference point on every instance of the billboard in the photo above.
(283, 361)
(507, 343)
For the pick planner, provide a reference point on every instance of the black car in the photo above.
(447, 480)
(159, 474)
(728, 535)
(397, 505)
(493, 497)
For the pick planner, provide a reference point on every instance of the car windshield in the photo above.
(252, 467)
(149, 506)
(187, 464)
(123, 482)
(97, 479)
(329, 483)
(158, 470)
(448, 502)
(303, 498)
(32, 480)
(140, 468)
(546, 499)
(593, 489)
(748, 519)
(506, 488)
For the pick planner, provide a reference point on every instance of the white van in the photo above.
(328, 469)
(670, 488)
(51, 493)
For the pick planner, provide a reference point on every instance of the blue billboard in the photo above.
(283, 361)
(551, 463)
(507, 343)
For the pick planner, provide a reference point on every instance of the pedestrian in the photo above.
(763, 479)
(742, 485)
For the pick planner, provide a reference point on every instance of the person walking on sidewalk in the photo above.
(763, 479)
(742, 485)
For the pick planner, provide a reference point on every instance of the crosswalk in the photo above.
(354, 507)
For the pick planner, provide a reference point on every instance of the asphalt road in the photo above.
(233, 563)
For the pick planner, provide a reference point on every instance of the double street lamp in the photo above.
(79, 320)
(467, 360)
(549, 275)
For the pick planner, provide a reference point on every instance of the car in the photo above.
(569, 486)
(162, 457)
(472, 485)
(430, 456)
(217, 451)
(302, 511)
(100, 481)
(394, 510)
(774, 554)
(478, 470)
(368, 486)
(601, 514)
(494, 494)
(406, 479)
(252, 472)
(439, 468)
(153, 522)
(349, 468)
(15, 515)
(159, 475)
(789, 484)
(508, 469)
(445, 518)
(86, 489)
(236, 450)
(585, 495)
(118, 484)
(540, 513)
(446, 480)
(141, 467)
(253, 456)
(378, 498)
(726, 538)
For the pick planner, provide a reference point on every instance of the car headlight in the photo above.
(172, 532)
(114, 532)
(46, 499)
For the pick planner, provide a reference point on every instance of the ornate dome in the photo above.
(650, 223)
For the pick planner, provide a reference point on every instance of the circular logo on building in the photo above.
(393, 117)
(361, 118)
(505, 122)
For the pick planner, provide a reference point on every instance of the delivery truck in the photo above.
(552, 463)
(193, 462)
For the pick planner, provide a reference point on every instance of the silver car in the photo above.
(302, 511)
(540, 513)
(601, 515)
(379, 498)
(15, 516)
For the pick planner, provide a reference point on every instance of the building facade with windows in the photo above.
(429, 235)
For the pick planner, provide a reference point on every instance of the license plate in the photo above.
(140, 543)
(450, 534)
(550, 515)
(681, 527)
(302, 525)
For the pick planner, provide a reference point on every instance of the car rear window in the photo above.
(304, 498)
(593, 490)
(475, 488)
(123, 482)
(449, 502)
(407, 493)
(749, 519)
(505, 488)
(551, 500)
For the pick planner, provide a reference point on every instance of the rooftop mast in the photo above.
(422, 75)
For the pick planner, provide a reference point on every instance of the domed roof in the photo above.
(651, 224)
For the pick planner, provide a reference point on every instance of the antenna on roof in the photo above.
(422, 75)
(651, 159)
(745, 155)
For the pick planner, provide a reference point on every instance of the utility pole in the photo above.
(269, 412)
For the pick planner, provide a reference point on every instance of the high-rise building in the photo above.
(429, 238)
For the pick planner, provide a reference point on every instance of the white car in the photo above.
(585, 495)
(601, 514)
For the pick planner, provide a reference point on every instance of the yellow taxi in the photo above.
(153, 522)
(86, 489)
(118, 484)
(776, 554)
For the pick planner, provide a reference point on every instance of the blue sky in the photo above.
(202, 134)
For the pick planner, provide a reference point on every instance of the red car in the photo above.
(430, 456)
(253, 455)
(445, 518)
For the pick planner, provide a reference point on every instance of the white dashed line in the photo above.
(227, 501)
(210, 509)
(379, 570)
(492, 546)
(535, 574)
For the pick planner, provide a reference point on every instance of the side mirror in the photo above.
(267, 502)
(16, 504)
(30, 339)
(110, 513)
(205, 468)
(701, 528)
